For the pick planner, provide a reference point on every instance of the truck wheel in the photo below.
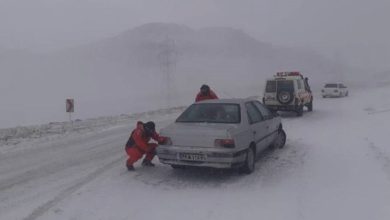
(284, 97)
(310, 106)
(299, 110)
(249, 165)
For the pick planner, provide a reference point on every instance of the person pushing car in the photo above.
(205, 93)
(138, 144)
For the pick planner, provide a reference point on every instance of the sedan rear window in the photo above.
(333, 85)
(211, 113)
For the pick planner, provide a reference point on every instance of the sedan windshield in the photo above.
(211, 113)
(331, 85)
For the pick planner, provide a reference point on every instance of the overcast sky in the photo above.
(354, 31)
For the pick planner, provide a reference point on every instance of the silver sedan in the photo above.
(224, 133)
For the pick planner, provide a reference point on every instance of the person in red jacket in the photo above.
(205, 93)
(138, 144)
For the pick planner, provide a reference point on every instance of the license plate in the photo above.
(192, 157)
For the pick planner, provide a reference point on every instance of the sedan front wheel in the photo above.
(280, 140)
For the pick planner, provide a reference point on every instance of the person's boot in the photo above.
(147, 163)
(130, 167)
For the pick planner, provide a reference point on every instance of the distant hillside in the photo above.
(204, 53)
(125, 73)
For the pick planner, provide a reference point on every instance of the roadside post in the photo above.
(70, 108)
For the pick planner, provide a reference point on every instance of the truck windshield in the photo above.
(211, 113)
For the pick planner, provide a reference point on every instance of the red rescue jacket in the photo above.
(201, 97)
(139, 139)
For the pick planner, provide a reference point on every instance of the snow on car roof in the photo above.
(232, 100)
(334, 83)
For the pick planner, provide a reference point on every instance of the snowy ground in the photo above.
(336, 165)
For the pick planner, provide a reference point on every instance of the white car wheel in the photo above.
(281, 139)
(249, 165)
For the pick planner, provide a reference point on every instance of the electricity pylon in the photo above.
(168, 60)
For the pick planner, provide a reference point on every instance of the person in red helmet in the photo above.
(205, 93)
(138, 144)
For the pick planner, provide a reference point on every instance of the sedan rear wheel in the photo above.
(310, 106)
(249, 165)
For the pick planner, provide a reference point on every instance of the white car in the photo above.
(224, 133)
(334, 90)
(288, 91)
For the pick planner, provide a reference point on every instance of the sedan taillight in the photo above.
(228, 143)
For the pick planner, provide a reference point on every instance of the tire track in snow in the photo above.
(381, 157)
(165, 177)
(41, 210)
(272, 166)
(76, 185)
(48, 161)
(378, 112)
(62, 143)
(54, 167)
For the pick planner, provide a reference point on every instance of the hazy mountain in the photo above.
(126, 73)
(204, 55)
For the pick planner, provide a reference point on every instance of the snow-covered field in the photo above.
(336, 165)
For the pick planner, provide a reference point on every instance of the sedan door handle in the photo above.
(254, 132)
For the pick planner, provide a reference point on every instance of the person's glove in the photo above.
(161, 140)
(152, 147)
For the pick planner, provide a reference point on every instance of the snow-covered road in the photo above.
(336, 165)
